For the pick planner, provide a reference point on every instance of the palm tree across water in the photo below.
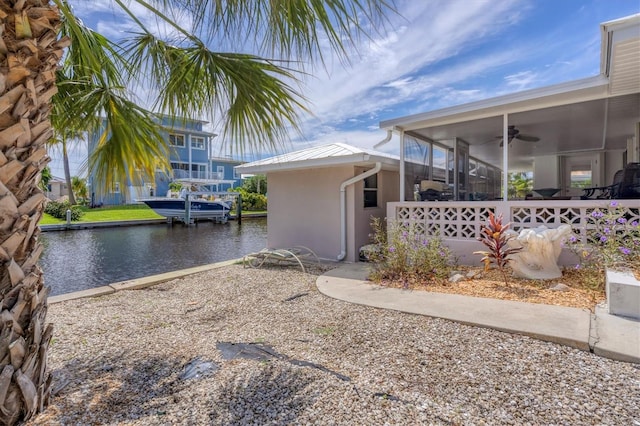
(252, 94)
(62, 139)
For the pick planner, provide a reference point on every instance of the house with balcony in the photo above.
(224, 168)
(191, 162)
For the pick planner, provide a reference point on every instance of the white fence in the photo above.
(463, 220)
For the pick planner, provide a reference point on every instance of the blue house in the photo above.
(224, 169)
(191, 162)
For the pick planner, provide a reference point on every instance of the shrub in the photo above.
(251, 201)
(405, 253)
(58, 209)
(495, 238)
(612, 241)
(175, 186)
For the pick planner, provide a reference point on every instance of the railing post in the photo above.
(503, 208)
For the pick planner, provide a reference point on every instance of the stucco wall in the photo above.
(304, 209)
(359, 225)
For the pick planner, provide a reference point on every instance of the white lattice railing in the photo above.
(459, 220)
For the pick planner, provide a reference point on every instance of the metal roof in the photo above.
(333, 154)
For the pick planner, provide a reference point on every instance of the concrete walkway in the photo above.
(606, 335)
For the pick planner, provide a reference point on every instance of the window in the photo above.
(220, 170)
(236, 174)
(116, 187)
(439, 160)
(581, 176)
(176, 139)
(179, 166)
(371, 191)
(197, 142)
(199, 171)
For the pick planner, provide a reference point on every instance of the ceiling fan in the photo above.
(515, 134)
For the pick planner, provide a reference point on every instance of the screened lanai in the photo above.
(456, 162)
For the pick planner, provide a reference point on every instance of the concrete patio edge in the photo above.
(138, 283)
(605, 335)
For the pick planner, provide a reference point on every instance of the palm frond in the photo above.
(259, 108)
(286, 28)
(90, 56)
(130, 147)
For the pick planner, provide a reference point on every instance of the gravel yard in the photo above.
(123, 358)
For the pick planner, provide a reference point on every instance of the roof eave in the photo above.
(356, 159)
(559, 94)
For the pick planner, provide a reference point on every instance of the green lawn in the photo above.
(108, 214)
(113, 213)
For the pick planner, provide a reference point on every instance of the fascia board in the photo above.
(356, 159)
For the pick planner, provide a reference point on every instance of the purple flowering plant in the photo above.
(612, 240)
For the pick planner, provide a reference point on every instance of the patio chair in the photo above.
(604, 192)
(630, 185)
(298, 255)
(434, 191)
(626, 184)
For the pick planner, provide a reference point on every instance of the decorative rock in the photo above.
(369, 251)
(456, 278)
(480, 371)
(560, 287)
(475, 273)
(541, 248)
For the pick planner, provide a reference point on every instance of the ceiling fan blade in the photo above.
(528, 138)
(502, 142)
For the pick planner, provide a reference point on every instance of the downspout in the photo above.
(343, 206)
(385, 140)
(343, 197)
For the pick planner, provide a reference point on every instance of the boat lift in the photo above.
(224, 196)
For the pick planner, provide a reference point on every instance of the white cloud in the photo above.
(109, 19)
(430, 33)
(521, 80)
(359, 138)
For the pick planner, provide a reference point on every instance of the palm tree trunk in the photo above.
(29, 54)
(67, 173)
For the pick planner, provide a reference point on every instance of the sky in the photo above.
(433, 54)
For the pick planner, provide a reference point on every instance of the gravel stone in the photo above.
(118, 359)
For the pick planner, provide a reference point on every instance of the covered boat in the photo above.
(190, 206)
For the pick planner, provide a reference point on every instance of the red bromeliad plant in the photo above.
(494, 236)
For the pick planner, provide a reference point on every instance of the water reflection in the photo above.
(82, 259)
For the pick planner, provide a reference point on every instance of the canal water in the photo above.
(81, 259)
